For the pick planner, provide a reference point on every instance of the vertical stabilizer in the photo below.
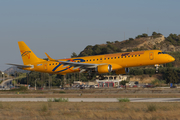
(27, 54)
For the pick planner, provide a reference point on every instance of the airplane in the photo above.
(117, 62)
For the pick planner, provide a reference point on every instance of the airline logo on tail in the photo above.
(25, 53)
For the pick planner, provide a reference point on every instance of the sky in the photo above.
(61, 27)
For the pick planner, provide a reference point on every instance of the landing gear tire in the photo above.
(157, 67)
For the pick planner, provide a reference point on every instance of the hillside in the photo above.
(11, 70)
(141, 42)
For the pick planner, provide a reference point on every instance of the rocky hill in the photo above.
(11, 70)
(141, 42)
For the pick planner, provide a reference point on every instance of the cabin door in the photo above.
(151, 55)
(45, 66)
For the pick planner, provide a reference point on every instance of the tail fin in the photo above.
(27, 54)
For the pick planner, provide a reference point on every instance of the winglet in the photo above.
(49, 57)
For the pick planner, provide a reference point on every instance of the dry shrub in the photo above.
(44, 108)
(151, 108)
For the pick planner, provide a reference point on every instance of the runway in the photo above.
(91, 99)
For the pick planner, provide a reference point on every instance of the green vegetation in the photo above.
(124, 82)
(58, 100)
(116, 46)
(171, 76)
(123, 100)
(174, 39)
(143, 35)
(62, 92)
(158, 82)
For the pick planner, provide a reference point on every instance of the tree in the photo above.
(144, 35)
(124, 82)
(154, 34)
(73, 55)
(171, 76)
(131, 39)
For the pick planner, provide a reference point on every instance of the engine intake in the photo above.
(104, 69)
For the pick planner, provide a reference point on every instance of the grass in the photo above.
(151, 108)
(21, 88)
(62, 92)
(83, 111)
(44, 108)
(123, 100)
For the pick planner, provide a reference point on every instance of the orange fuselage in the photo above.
(117, 61)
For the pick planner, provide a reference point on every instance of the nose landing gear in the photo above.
(157, 67)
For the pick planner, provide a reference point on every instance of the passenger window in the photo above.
(49, 64)
(118, 57)
(135, 55)
(132, 55)
(104, 58)
(97, 59)
(93, 59)
(111, 57)
(87, 60)
(108, 58)
(159, 52)
(114, 57)
(139, 55)
(128, 56)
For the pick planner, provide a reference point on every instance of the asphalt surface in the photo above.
(91, 99)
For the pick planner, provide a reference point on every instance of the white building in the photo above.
(110, 80)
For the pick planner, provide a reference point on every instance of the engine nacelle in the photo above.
(122, 71)
(104, 69)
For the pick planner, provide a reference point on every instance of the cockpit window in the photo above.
(161, 52)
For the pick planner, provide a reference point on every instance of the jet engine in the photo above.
(104, 69)
(122, 71)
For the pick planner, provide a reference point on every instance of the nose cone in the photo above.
(171, 59)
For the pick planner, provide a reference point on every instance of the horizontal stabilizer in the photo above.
(19, 66)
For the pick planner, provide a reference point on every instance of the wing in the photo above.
(76, 65)
(19, 66)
